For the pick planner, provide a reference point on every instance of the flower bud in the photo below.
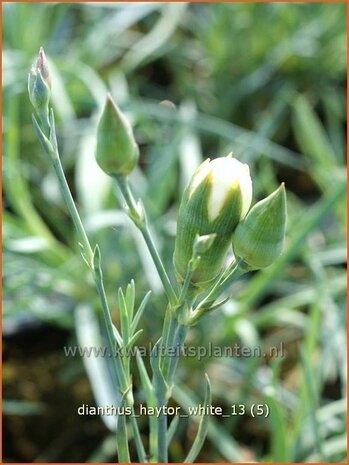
(117, 152)
(259, 238)
(39, 83)
(216, 199)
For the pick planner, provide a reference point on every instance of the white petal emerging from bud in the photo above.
(228, 174)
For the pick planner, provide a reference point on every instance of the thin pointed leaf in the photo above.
(139, 312)
(145, 380)
(130, 299)
(160, 385)
(124, 319)
(117, 336)
(203, 427)
(45, 143)
(134, 338)
(97, 259)
(82, 252)
(223, 441)
(104, 386)
(279, 437)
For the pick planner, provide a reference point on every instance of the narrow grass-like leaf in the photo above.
(312, 404)
(134, 339)
(279, 433)
(103, 387)
(124, 318)
(130, 299)
(139, 312)
(203, 427)
(217, 434)
(311, 135)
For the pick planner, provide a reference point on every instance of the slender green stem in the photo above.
(151, 401)
(187, 281)
(137, 438)
(121, 440)
(166, 360)
(119, 369)
(159, 265)
(140, 221)
(72, 209)
(173, 336)
(178, 342)
(169, 328)
(162, 433)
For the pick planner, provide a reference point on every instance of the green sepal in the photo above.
(193, 220)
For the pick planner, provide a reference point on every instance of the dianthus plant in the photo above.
(215, 217)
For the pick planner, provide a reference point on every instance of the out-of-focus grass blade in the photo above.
(91, 79)
(279, 433)
(335, 114)
(88, 175)
(16, 187)
(22, 407)
(60, 97)
(284, 309)
(190, 154)
(103, 387)
(335, 450)
(314, 142)
(28, 245)
(312, 403)
(105, 451)
(229, 131)
(311, 135)
(147, 263)
(162, 178)
(110, 28)
(149, 44)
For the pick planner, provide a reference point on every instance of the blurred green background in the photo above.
(267, 81)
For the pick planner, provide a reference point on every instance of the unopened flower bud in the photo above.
(259, 238)
(39, 83)
(216, 199)
(42, 66)
(117, 152)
